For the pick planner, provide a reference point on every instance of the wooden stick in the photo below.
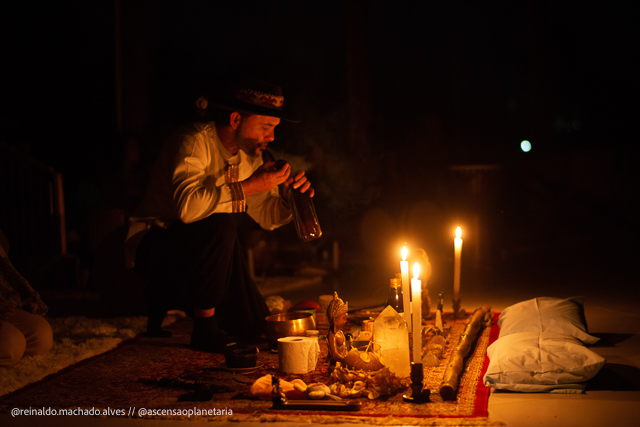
(449, 386)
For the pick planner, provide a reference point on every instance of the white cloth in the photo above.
(187, 183)
(541, 362)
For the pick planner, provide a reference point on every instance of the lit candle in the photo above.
(457, 243)
(404, 273)
(416, 296)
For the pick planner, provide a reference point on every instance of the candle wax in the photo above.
(416, 296)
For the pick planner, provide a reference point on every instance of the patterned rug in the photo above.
(164, 379)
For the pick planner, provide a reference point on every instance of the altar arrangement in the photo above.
(401, 363)
(394, 347)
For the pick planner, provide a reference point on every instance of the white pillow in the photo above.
(562, 316)
(540, 361)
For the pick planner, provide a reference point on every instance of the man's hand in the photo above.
(265, 178)
(299, 181)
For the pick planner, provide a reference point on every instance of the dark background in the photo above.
(412, 116)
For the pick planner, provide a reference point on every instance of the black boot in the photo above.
(206, 335)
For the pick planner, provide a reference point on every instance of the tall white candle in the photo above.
(404, 274)
(416, 296)
(457, 243)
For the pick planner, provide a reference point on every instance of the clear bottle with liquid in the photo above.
(304, 215)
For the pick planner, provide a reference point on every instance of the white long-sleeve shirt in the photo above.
(187, 184)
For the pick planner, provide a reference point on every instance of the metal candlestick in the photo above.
(418, 395)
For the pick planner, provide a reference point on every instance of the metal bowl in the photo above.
(288, 325)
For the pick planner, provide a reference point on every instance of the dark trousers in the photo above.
(202, 265)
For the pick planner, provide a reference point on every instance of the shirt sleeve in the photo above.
(199, 189)
(196, 194)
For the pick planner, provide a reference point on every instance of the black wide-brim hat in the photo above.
(253, 97)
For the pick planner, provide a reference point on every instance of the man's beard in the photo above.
(250, 146)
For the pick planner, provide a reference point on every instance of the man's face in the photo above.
(254, 134)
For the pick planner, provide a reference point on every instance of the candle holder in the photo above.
(456, 306)
(418, 395)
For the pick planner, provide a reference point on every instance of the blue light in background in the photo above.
(526, 146)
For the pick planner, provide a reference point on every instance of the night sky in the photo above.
(451, 83)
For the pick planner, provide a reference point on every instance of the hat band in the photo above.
(258, 98)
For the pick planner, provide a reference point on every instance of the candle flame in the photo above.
(458, 232)
(416, 270)
(404, 253)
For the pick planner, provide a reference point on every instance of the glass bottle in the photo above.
(304, 211)
(394, 296)
(304, 215)
(440, 305)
